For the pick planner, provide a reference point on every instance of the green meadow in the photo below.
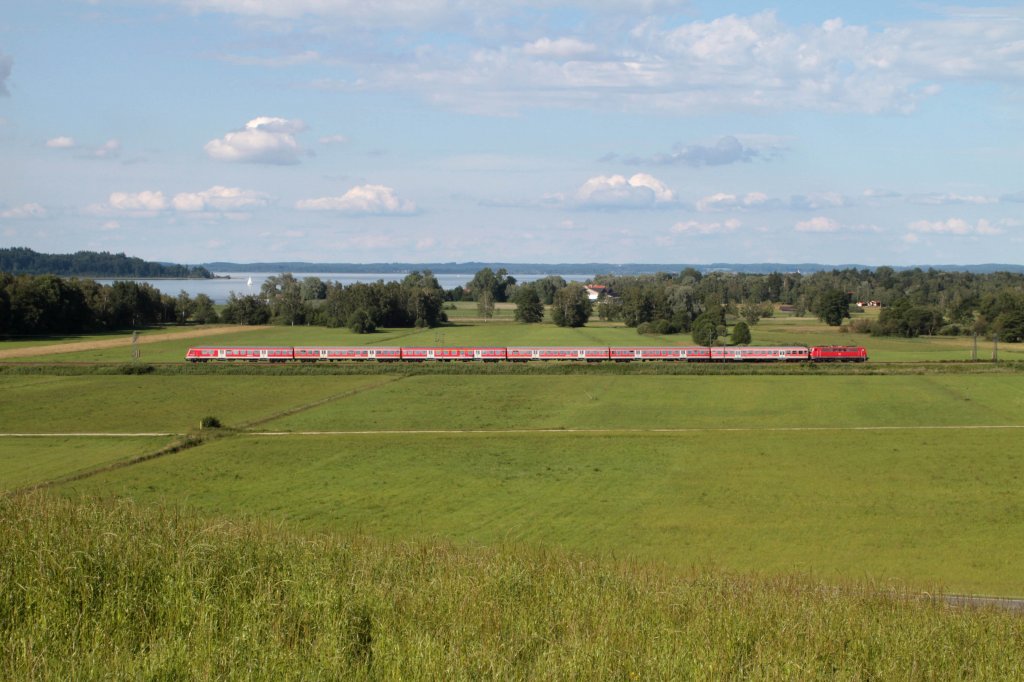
(450, 522)
(906, 476)
(929, 508)
(136, 404)
(914, 478)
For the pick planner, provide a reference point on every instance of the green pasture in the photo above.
(912, 477)
(467, 310)
(677, 402)
(137, 404)
(13, 342)
(937, 509)
(33, 460)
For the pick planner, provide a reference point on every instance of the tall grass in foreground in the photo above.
(107, 589)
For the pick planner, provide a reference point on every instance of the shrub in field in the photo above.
(209, 423)
(134, 368)
(862, 325)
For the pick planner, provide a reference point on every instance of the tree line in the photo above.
(22, 261)
(914, 302)
(48, 304)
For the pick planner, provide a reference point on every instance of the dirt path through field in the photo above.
(57, 348)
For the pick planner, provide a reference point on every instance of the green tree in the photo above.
(705, 330)
(740, 334)
(751, 312)
(1010, 326)
(184, 306)
(485, 304)
(203, 311)
(313, 289)
(246, 310)
(360, 322)
(547, 287)
(497, 283)
(571, 307)
(528, 306)
(283, 294)
(831, 306)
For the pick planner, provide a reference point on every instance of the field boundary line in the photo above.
(724, 429)
(183, 443)
(86, 434)
(323, 401)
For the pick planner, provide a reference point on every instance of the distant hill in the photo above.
(22, 261)
(583, 268)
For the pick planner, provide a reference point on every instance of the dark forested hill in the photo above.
(22, 261)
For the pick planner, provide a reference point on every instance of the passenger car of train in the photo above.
(528, 354)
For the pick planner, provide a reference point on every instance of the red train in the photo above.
(531, 353)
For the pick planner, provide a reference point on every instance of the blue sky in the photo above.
(528, 130)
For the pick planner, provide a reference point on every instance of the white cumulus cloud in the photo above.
(361, 200)
(333, 139)
(61, 142)
(111, 149)
(697, 227)
(560, 47)
(817, 224)
(219, 198)
(957, 226)
(138, 201)
(721, 201)
(952, 198)
(24, 211)
(616, 191)
(264, 139)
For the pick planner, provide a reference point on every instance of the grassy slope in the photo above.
(107, 591)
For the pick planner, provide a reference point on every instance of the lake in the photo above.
(219, 289)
